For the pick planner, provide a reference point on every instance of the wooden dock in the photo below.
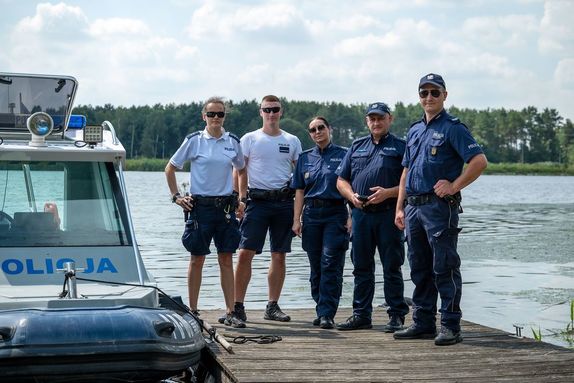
(309, 354)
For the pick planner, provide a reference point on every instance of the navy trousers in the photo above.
(432, 235)
(325, 239)
(373, 231)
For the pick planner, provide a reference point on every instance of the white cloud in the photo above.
(500, 32)
(564, 74)
(53, 21)
(557, 28)
(116, 27)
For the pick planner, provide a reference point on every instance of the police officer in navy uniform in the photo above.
(210, 209)
(325, 222)
(427, 208)
(369, 178)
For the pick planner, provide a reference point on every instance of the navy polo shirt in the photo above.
(315, 172)
(437, 150)
(368, 164)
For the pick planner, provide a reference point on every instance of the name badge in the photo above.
(283, 149)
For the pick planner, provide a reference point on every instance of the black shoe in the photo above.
(395, 324)
(222, 318)
(239, 310)
(355, 322)
(317, 321)
(233, 320)
(273, 312)
(446, 337)
(326, 323)
(415, 332)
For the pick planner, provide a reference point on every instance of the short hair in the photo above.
(213, 100)
(270, 98)
(322, 119)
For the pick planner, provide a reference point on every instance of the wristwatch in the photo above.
(175, 197)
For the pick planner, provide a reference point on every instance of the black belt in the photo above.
(220, 201)
(380, 206)
(422, 199)
(315, 202)
(283, 194)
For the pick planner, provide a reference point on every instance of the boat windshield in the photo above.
(64, 204)
(22, 95)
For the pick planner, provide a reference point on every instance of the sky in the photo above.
(492, 54)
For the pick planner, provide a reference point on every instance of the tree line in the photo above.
(510, 136)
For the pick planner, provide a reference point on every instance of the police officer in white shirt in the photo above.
(270, 156)
(211, 203)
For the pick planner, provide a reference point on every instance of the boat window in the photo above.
(44, 204)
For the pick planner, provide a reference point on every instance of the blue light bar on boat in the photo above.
(77, 121)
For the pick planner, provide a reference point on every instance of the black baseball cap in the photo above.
(434, 79)
(378, 108)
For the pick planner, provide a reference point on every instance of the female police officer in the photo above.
(325, 225)
(211, 206)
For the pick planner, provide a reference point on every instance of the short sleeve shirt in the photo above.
(315, 172)
(368, 164)
(270, 158)
(437, 150)
(212, 161)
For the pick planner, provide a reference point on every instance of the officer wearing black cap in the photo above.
(369, 178)
(428, 205)
(321, 219)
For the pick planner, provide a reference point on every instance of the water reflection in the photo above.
(516, 249)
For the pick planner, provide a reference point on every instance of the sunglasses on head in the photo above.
(423, 93)
(275, 109)
(213, 114)
(317, 129)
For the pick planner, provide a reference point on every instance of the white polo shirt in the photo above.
(212, 161)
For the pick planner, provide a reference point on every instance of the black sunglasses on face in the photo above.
(423, 93)
(275, 109)
(317, 129)
(213, 114)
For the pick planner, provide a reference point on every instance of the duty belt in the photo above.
(316, 202)
(422, 199)
(283, 194)
(220, 201)
(391, 204)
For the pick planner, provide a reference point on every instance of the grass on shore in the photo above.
(540, 168)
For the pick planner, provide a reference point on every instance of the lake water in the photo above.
(516, 247)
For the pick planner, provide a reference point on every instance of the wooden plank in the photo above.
(309, 354)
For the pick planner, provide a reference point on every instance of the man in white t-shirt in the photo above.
(270, 156)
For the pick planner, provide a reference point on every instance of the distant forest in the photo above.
(510, 136)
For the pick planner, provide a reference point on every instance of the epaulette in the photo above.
(454, 119)
(234, 137)
(308, 150)
(193, 134)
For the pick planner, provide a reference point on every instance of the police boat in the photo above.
(76, 302)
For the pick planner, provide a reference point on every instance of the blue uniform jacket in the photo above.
(315, 172)
(437, 150)
(368, 164)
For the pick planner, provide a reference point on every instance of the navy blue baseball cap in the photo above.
(378, 108)
(433, 79)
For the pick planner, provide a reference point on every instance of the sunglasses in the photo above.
(213, 114)
(275, 109)
(317, 129)
(423, 93)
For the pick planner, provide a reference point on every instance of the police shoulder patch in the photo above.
(234, 137)
(193, 134)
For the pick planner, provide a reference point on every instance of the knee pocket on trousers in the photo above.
(445, 255)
